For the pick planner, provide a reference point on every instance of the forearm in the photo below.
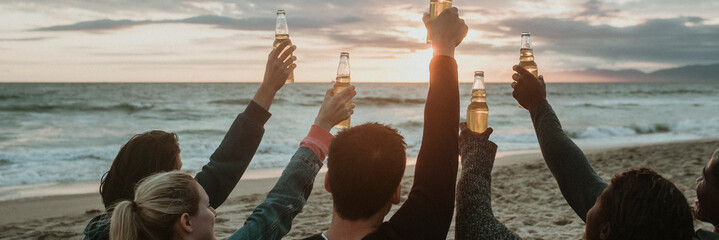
(272, 219)
(428, 210)
(436, 169)
(264, 97)
(229, 162)
(576, 178)
(475, 219)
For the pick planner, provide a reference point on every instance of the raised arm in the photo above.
(577, 180)
(475, 219)
(427, 213)
(229, 162)
(272, 219)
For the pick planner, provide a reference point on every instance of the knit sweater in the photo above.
(475, 219)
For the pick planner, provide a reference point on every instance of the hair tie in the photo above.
(134, 205)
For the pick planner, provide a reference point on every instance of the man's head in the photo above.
(707, 204)
(640, 204)
(365, 166)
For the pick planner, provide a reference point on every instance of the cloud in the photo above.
(659, 40)
(251, 24)
(378, 40)
(595, 8)
(97, 25)
(30, 39)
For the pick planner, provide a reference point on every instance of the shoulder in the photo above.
(702, 234)
(98, 228)
(384, 232)
(314, 237)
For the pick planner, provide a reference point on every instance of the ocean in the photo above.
(71, 132)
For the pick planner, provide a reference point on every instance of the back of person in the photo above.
(638, 204)
(366, 162)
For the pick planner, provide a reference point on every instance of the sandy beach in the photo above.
(525, 196)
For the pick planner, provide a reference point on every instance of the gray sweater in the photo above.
(475, 219)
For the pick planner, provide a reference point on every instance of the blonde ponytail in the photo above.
(122, 222)
(160, 200)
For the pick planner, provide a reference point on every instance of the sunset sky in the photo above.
(228, 41)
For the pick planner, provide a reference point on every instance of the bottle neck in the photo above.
(479, 95)
(526, 43)
(343, 70)
(281, 28)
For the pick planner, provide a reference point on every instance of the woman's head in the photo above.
(145, 154)
(166, 206)
(640, 204)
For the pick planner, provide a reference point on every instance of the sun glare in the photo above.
(418, 34)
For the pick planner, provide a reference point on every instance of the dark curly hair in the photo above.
(641, 204)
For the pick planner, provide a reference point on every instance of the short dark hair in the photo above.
(144, 154)
(365, 165)
(641, 204)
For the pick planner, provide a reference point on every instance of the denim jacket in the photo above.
(272, 219)
(227, 164)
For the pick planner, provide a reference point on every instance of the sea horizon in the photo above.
(71, 132)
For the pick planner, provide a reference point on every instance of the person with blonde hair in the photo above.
(159, 151)
(173, 205)
(161, 200)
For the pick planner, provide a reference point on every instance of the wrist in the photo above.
(323, 125)
(264, 90)
(264, 97)
(443, 49)
(535, 104)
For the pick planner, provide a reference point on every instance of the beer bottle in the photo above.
(477, 111)
(435, 8)
(282, 33)
(526, 56)
(341, 82)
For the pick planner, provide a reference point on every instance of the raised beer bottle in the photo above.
(435, 8)
(282, 33)
(477, 111)
(526, 56)
(341, 82)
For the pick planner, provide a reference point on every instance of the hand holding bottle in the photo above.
(466, 133)
(529, 91)
(279, 66)
(333, 109)
(446, 31)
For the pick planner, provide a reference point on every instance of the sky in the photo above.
(228, 41)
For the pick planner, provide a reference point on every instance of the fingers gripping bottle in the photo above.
(477, 111)
(282, 33)
(526, 56)
(341, 82)
(435, 8)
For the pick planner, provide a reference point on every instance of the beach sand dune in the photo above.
(525, 197)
